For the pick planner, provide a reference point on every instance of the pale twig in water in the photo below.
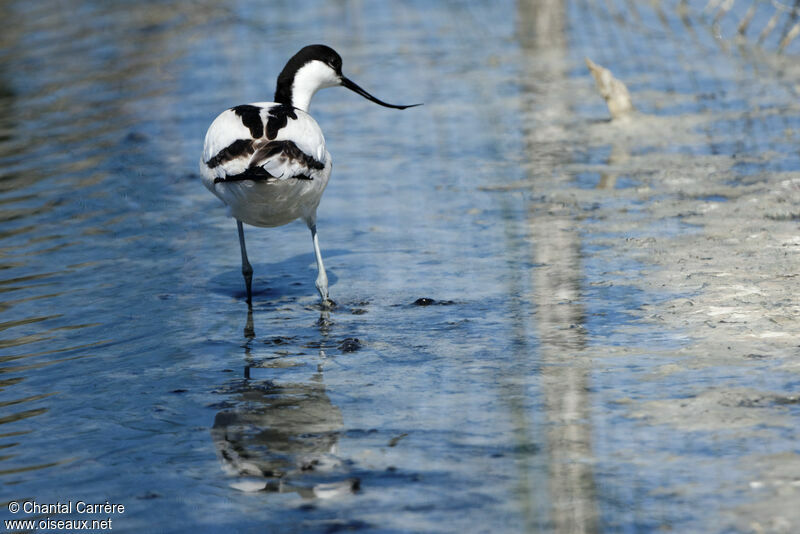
(612, 90)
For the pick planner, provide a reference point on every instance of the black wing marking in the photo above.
(251, 118)
(287, 149)
(284, 156)
(257, 174)
(239, 148)
(278, 118)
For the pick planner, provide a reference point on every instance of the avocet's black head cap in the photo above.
(330, 57)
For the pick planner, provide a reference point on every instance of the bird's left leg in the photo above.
(322, 277)
(247, 269)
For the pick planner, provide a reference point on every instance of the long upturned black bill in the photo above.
(350, 84)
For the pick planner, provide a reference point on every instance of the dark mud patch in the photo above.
(427, 301)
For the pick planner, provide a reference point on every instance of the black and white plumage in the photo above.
(267, 161)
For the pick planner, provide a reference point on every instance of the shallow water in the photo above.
(524, 397)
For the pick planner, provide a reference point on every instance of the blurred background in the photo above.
(607, 339)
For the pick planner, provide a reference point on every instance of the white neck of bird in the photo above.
(310, 78)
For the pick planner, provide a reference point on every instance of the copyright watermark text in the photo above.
(107, 509)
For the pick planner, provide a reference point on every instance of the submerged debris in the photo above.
(425, 301)
(614, 91)
(395, 440)
(350, 344)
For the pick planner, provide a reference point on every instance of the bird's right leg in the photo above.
(247, 269)
(322, 277)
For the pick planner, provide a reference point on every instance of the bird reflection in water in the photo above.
(280, 437)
